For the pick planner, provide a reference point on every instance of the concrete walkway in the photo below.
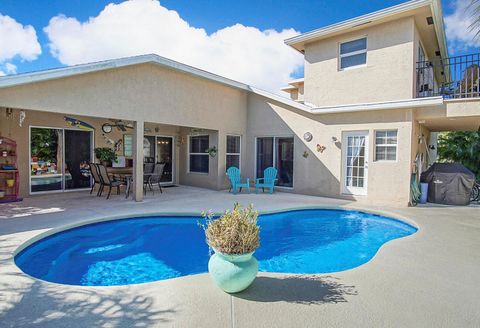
(429, 279)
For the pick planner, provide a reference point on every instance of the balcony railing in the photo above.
(452, 78)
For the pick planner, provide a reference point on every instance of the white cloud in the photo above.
(16, 41)
(457, 26)
(136, 27)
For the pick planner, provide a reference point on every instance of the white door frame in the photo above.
(360, 191)
(63, 189)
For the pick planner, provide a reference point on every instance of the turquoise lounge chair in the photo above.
(236, 182)
(268, 180)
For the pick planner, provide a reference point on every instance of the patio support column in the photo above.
(138, 161)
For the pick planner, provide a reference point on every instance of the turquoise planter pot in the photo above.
(233, 273)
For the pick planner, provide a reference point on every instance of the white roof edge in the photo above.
(289, 102)
(397, 104)
(290, 87)
(349, 23)
(439, 26)
(26, 78)
(296, 81)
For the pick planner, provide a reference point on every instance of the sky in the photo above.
(242, 40)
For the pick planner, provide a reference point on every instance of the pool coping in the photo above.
(53, 231)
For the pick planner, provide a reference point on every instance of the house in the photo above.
(357, 126)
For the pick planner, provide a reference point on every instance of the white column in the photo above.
(138, 161)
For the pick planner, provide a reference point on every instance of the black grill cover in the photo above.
(449, 183)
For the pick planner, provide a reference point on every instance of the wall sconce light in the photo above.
(334, 139)
(308, 136)
(305, 154)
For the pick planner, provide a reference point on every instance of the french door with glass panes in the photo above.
(355, 162)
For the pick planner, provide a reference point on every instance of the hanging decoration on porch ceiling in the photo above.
(73, 122)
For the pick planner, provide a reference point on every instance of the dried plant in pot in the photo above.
(234, 237)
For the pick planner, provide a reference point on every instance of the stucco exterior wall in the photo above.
(321, 173)
(143, 92)
(386, 77)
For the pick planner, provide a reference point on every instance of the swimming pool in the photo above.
(138, 250)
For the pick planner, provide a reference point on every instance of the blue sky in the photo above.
(210, 15)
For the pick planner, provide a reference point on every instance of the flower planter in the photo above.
(233, 272)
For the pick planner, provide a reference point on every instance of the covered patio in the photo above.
(434, 269)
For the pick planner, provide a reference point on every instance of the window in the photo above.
(276, 152)
(233, 151)
(197, 153)
(353, 53)
(386, 145)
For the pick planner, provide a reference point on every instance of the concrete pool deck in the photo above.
(429, 279)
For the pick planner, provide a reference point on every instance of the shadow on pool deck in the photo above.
(301, 289)
(38, 305)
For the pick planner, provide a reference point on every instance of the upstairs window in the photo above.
(353, 53)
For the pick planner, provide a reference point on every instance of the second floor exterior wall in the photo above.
(386, 76)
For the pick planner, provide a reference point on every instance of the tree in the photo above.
(461, 147)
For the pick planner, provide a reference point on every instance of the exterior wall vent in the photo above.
(430, 20)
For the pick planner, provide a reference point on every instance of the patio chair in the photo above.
(268, 180)
(147, 170)
(156, 177)
(107, 181)
(237, 182)
(96, 177)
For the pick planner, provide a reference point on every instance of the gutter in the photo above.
(398, 104)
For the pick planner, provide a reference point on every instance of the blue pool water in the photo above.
(138, 250)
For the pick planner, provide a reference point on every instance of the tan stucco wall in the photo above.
(387, 75)
(321, 173)
(144, 92)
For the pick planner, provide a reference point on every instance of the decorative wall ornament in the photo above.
(308, 136)
(321, 148)
(21, 118)
(212, 151)
(73, 122)
(108, 140)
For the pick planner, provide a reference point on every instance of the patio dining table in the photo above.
(126, 173)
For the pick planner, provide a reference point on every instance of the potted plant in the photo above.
(105, 155)
(234, 237)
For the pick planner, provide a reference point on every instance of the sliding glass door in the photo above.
(78, 153)
(59, 159)
(46, 159)
(276, 152)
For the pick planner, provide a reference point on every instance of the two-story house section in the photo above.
(356, 126)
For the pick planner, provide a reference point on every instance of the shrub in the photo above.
(235, 232)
